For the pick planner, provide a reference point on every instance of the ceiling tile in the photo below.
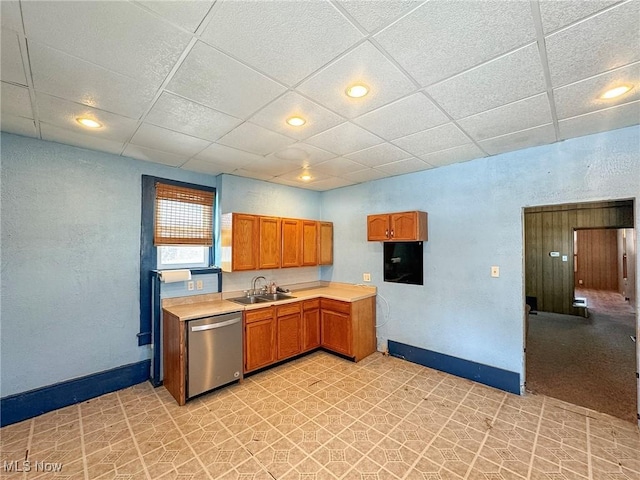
(344, 139)
(220, 82)
(337, 166)
(187, 15)
(601, 43)
(601, 121)
(287, 40)
(270, 166)
(507, 79)
(274, 116)
(516, 116)
(329, 184)
(409, 165)
(557, 14)
(255, 139)
(533, 137)
(363, 64)
(10, 16)
(440, 39)
(583, 97)
(209, 168)
(453, 155)
(182, 115)
(18, 125)
(63, 113)
(118, 36)
(375, 14)
(164, 140)
(151, 155)
(55, 133)
(303, 154)
(379, 155)
(227, 157)
(15, 100)
(365, 175)
(258, 176)
(11, 67)
(433, 140)
(403, 117)
(69, 77)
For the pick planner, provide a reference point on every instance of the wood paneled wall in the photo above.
(597, 259)
(550, 229)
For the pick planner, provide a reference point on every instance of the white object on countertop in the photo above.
(172, 276)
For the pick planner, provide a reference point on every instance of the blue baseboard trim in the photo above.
(492, 376)
(22, 406)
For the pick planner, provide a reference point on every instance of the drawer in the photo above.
(288, 309)
(259, 314)
(311, 304)
(335, 306)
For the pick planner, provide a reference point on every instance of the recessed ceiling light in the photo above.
(616, 92)
(305, 177)
(358, 90)
(88, 122)
(296, 121)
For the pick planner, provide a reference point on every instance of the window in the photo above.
(175, 256)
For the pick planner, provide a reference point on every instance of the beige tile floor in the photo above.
(323, 417)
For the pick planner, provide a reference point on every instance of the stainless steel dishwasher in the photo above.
(214, 352)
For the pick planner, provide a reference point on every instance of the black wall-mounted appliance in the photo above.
(403, 262)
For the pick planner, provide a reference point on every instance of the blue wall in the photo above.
(475, 221)
(70, 261)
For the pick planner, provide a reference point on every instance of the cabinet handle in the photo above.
(392, 233)
(386, 233)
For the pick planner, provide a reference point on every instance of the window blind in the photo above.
(183, 216)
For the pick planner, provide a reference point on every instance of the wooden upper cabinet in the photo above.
(269, 242)
(397, 227)
(238, 239)
(325, 243)
(291, 243)
(309, 243)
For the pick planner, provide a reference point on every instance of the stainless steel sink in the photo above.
(273, 297)
(249, 300)
(266, 297)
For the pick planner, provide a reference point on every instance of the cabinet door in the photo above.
(245, 246)
(403, 226)
(289, 330)
(259, 338)
(291, 245)
(325, 243)
(310, 325)
(269, 241)
(378, 227)
(309, 242)
(336, 331)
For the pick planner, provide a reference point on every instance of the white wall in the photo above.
(475, 221)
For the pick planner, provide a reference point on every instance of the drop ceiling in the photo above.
(207, 86)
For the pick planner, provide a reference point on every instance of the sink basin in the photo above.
(249, 300)
(272, 297)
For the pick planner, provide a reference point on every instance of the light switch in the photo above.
(565, 258)
(495, 271)
(366, 277)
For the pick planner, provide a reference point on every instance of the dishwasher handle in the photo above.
(211, 326)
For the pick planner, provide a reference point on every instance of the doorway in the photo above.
(580, 341)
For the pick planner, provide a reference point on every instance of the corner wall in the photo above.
(475, 221)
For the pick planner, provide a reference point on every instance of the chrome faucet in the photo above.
(253, 283)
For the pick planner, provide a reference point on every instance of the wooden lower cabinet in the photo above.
(278, 332)
(259, 338)
(349, 327)
(174, 356)
(311, 324)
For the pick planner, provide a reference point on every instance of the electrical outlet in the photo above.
(495, 271)
(199, 285)
(366, 277)
(190, 285)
